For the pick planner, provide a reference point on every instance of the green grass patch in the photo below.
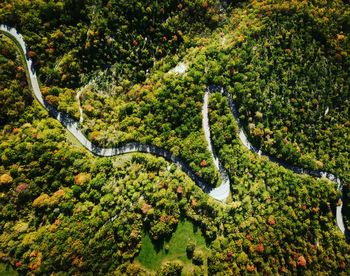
(70, 138)
(119, 161)
(152, 256)
(7, 270)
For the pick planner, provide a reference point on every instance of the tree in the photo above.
(41, 201)
(171, 268)
(198, 257)
(5, 179)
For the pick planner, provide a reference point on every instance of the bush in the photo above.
(171, 268)
(134, 269)
(198, 257)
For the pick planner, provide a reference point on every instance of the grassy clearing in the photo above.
(70, 138)
(152, 255)
(122, 160)
(7, 270)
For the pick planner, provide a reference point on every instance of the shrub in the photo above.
(190, 249)
(171, 268)
(198, 257)
(134, 269)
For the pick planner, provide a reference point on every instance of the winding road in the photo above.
(220, 193)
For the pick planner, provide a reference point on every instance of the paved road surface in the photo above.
(219, 193)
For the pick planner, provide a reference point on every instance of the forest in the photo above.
(286, 64)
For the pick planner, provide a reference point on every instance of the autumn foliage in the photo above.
(5, 179)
